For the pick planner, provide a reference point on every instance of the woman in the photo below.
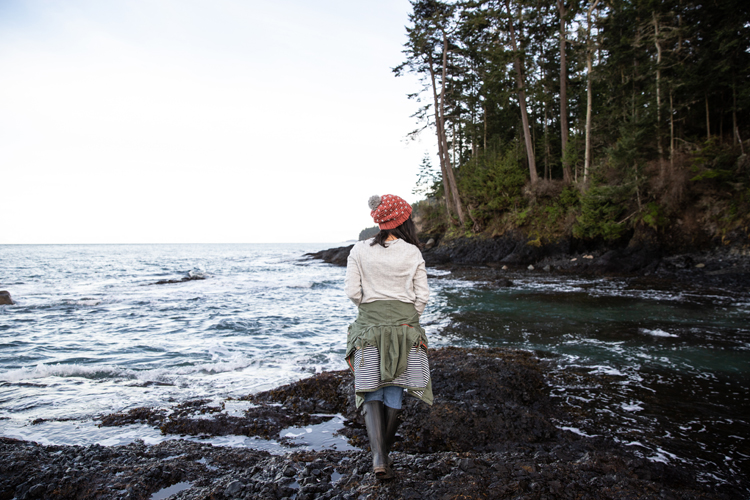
(386, 347)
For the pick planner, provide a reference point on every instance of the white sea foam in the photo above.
(663, 456)
(575, 430)
(60, 370)
(658, 332)
(632, 407)
(82, 302)
(607, 370)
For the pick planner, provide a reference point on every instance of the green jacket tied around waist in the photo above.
(393, 327)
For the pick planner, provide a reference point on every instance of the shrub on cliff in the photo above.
(492, 183)
(601, 207)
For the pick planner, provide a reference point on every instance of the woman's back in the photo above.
(394, 272)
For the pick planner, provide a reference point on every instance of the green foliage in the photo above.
(569, 197)
(432, 216)
(547, 218)
(601, 206)
(653, 216)
(429, 181)
(713, 162)
(630, 150)
(492, 183)
(663, 75)
(573, 154)
(522, 217)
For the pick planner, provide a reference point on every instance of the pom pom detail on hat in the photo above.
(373, 202)
(390, 211)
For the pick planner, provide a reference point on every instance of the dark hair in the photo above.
(406, 231)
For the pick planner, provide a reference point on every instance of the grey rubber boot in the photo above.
(391, 426)
(374, 413)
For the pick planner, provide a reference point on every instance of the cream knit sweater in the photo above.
(396, 272)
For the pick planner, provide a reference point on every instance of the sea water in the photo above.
(664, 368)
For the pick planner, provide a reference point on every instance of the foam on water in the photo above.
(657, 333)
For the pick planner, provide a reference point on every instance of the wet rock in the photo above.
(628, 260)
(430, 243)
(490, 434)
(233, 488)
(502, 283)
(5, 298)
(191, 276)
(335, 256)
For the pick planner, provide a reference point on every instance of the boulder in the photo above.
(335, 256)
(189, 277)
(5, 298)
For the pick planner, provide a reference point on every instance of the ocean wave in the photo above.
(302, 284)
(59, 370)
(86, 301)
(237, 325)
(159, 375)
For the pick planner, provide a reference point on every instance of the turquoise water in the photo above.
(665, 369)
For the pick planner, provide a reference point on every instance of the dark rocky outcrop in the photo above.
(191, 276)
(714, 263)
(336, 256)
(200, 471)
(5, 298)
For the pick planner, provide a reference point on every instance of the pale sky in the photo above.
(169, 121)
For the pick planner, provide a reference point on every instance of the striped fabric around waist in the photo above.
(367, 370)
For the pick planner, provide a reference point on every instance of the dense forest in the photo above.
(596, 119)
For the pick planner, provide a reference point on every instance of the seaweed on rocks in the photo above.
(486, 398)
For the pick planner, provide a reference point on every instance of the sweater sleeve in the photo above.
(353, 280)
(421, 289)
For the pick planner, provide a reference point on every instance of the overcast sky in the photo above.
(161, 121)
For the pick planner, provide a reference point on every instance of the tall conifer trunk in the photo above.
(448, 164)
(671, 132)
(567, 176)
(589, 67)
(657, 42)
(452, 200)
(447, 192)
(522, 99)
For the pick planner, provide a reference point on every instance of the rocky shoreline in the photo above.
(496, 436)
(726, 265)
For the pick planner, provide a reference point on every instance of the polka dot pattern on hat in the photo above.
(392, 211)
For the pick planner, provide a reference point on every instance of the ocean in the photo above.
(665, 367)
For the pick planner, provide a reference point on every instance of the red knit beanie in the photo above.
(389, 211)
